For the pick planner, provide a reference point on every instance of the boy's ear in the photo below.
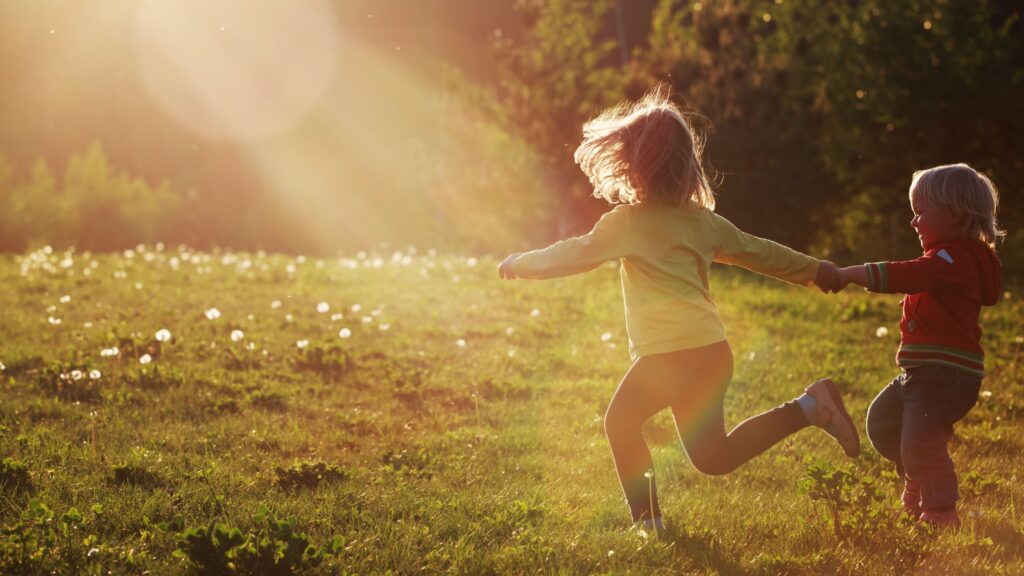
(958, 216)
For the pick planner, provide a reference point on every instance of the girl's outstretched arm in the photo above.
(609, 240)
(505, 268)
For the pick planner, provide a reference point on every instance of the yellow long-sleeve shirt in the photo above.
(665, 252)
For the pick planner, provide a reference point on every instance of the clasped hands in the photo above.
(829, 278)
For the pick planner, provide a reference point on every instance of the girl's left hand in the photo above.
(505, 268)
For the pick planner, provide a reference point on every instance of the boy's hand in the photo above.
(829, 279)
(505, 268)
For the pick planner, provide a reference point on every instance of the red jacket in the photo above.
(945, 290)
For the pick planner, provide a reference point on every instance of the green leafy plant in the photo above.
(328, 361)
(864, 514)
(14, 476)
(272, 547)
(308, 474)
(41, 542)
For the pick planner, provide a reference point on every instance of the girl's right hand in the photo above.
(505, 268)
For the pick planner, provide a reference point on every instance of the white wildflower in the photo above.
(606, 336)
(237, 335)
(344, 333)
(65, 299)
(145, 359)
(94, 374)
(986, 394)
(288, 318)
(54, 321)
(302, 344)
(323, 307)
(109, 352)
(535, 312)
(881, 332)
(461, 343)
(275, 304)
(163, 335)
(356, 307)
(212, 314)
(76, 374)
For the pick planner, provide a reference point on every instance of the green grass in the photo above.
(401, 450)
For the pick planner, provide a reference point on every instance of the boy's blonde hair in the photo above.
(642, 151)
(960, 188)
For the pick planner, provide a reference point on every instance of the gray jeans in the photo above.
(911, 423)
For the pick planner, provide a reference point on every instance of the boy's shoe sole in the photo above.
(833, 417)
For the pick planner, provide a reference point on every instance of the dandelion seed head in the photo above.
(94, 374)
(163, 335)
(881, 332)
(356, 307)
(1019, 339)
(323, 307)
(335, 317)
(986, 394)
(145, 359)
(302, 344)
(509, 330)
(76, 374)
(2, 367)
(461, 343)
(212, 314)
(535, 312)
(109, 352)
(367, 319)
(288, 318)
(65, 299)
(511, 352)
(237, 335)
(471, 262)
(606, 336)
(344, 333)
(275, 304)
(384, 327)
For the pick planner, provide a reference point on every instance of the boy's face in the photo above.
(934, 225)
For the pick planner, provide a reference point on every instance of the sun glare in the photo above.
(236, 71)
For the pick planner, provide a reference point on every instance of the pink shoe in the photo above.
(947, 519)
(912, 498)
(833, 417)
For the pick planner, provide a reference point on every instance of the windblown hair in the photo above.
(960, 188)
(644, 151)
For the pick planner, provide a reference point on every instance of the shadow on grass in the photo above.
(702, 547)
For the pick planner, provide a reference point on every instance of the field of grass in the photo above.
(167, 411)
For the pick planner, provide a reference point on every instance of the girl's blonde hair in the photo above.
(960, 188)
(642, 151)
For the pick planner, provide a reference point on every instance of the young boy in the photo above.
(911, 420)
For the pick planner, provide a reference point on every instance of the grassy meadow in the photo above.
(165, 411)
